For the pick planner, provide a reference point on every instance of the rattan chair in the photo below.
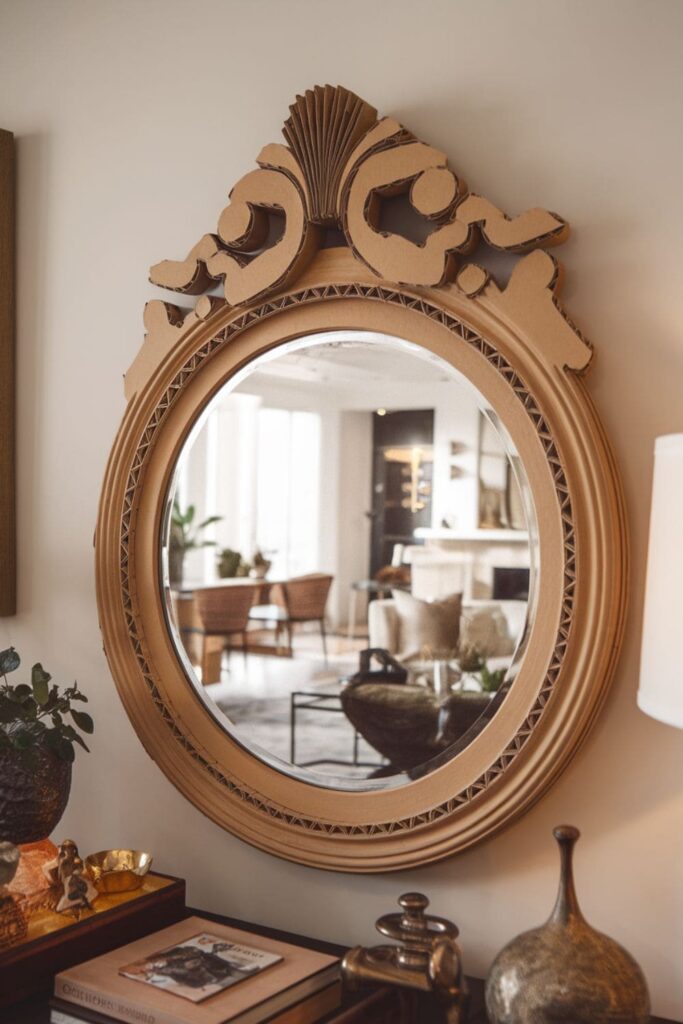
(301, 599)
(224, 612)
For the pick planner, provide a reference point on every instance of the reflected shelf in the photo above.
(482, 536)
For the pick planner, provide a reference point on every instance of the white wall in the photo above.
(134, 120)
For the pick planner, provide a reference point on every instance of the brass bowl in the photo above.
(118, 870)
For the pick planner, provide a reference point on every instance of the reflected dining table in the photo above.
(207, 651)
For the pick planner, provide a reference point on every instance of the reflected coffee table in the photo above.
(325, 702)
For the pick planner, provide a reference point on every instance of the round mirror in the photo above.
(348, 557)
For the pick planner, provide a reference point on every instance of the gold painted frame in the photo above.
(517, 348)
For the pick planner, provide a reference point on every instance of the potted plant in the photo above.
(491, 679)
(260, 565)
(184, 537)
(473, 664)
(228, 563)
(39, 727)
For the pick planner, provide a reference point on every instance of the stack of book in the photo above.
(199, 972)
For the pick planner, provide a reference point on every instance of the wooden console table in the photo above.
(372, 1006)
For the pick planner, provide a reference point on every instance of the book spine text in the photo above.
(83, 995)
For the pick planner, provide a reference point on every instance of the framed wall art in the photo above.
(7, 402)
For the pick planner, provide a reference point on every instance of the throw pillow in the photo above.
(427, 624)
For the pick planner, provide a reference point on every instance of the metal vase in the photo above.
(565, 970)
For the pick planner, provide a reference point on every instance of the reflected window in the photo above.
(287, 509)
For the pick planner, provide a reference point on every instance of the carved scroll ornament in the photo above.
(340, 164)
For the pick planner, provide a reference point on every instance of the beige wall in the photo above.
(134, 119)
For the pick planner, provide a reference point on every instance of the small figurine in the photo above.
(13, 924)
(9, 862)
(67, 873)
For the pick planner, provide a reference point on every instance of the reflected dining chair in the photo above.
(223, 612)
(301, 599)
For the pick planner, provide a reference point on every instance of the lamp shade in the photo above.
(661, 666)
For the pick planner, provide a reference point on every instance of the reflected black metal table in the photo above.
(327, 703)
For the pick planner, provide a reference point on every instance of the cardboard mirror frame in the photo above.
(514, 343)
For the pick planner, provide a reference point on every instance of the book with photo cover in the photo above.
(199, 967)
(148, 980)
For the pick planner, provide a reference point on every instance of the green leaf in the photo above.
(59, 745)
(81, 742)
(8, 710)
(9, 661)
(209, 522)
(39, 680)
(20, 692)
(491, 681)
(53, 738)
(83, 721)
(52, 700)
(23, 740)
(66, 751)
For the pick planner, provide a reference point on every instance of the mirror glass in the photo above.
(348, 559)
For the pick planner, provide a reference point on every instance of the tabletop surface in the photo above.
(36, 1011)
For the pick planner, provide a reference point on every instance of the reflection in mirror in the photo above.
(349, 493)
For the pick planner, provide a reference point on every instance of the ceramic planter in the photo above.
(34, 790)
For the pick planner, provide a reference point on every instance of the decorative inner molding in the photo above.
(522, 394)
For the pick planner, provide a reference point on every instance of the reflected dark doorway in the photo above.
(402, 475)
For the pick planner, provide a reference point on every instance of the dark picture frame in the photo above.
(8, 604)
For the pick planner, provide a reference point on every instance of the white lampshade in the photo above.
(661, 676)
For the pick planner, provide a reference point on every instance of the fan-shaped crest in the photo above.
(324, 126)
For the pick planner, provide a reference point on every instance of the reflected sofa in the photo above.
(494, 627)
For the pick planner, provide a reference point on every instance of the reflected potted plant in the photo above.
(185, 536)
(228, 563)
(491, 679)
(260, 565)
(473, 664)
(39, 728)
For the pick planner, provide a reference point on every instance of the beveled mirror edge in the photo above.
(312, 342)
(522, 330)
